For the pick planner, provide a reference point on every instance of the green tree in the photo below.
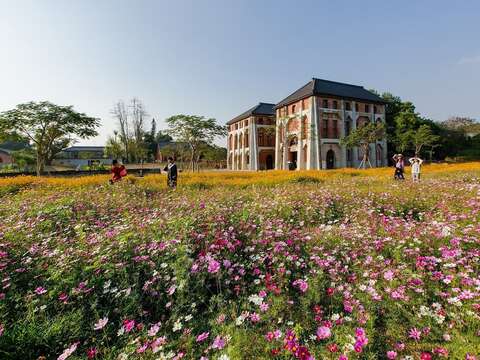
(423, 137)
(362, 137)
(194, 130)
(49, 127)
(114, 147)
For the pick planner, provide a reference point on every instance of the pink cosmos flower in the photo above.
(68, 351)
(213, 266)
(100, 324)
(128, 325)
(388, 275)
(254, 317)
(157, 343)
(391, 354)
(218, 343)
(415, 334)
(301, 284)
(202, 336)
(40, 290)
(264, 307)
(154, 329)
(323, 332)
(343, 357)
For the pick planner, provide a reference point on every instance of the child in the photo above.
(171, 170)
(416, 163)
(118, 171)
(399, 167)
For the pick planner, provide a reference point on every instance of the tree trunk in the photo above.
(40, 164)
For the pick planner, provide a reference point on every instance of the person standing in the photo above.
(416, 163)
(399, 167)
(172, 173)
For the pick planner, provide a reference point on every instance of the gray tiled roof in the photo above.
(260, 109)
(332, 88)
(84, 148)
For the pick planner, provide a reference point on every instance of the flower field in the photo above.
(343, 264)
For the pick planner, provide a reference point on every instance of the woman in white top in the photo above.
(416, 163)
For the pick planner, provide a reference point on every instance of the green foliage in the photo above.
(363, 136)
(49, 127)
(194, 130)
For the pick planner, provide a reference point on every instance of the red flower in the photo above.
(330, 291)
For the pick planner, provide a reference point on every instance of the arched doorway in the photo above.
(330, 159)
(269, 162)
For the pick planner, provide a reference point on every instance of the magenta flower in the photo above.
(40, 290)
(415, 334)
(301, 284)
(391, 354)
(202, 336)
(128, 325)
(254, 317)
(213, 266)
(218, 343)
(323, 332)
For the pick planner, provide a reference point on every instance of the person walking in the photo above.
(416, 164)
(399, 167)
(172, 173)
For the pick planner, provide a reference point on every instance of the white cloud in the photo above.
(469, 60)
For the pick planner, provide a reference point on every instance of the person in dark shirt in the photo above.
(118, 171)
(172, 174)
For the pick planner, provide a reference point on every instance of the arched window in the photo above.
(293, 109)
(261, 137)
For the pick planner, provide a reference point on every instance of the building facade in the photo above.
(307, 127)
(76, 156)
(251, 139)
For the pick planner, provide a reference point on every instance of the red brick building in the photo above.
(307, 127)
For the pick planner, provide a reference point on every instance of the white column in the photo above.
(253, 146)
(228, 149)
(300, 159)
(314, 142)
(354, 127)
(343, 148)
(277, 144)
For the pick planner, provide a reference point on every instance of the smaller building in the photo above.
(76, 156)
(251, 139)
(5, 157)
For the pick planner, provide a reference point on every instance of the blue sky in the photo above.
(218, 58)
